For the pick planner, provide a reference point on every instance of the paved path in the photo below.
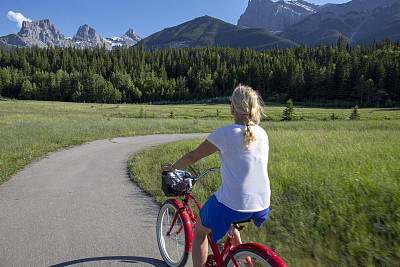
(78, 207)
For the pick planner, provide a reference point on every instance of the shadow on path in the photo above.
(121, 259)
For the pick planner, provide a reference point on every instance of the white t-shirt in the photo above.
(245, 183)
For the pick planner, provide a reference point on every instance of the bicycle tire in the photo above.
(172, 248)
(257, 258)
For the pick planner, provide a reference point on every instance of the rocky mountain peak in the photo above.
(133, 35)
(86, 36)
(43, 33)
(275, 16)
(41, 30)
(87, 33)
(130, 38)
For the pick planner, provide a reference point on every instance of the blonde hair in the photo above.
(248, 105)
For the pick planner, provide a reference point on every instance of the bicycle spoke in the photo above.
(171, 237)
(248, 258)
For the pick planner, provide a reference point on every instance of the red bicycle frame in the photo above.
(186, 222)
(189, 221)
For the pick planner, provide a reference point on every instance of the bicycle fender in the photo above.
(262, 250)
(186, 224)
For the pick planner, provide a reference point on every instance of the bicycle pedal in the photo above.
(211, 261)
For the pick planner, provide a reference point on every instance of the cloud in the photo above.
(17, 17)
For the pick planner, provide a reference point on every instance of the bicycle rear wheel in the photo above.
(250, 257)
(172, 246)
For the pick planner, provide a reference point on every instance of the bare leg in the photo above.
(200, 244)
(236, 240)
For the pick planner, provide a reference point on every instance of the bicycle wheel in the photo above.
(249, 257)
(172, 246)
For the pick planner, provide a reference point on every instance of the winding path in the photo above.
(78, 207)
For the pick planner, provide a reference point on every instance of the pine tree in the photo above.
(365, 74)
(288, 113)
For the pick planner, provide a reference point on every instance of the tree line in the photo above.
(367, 75)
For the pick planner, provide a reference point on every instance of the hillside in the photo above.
(6, 46)
(209, 31)
(358, 21)
(275, 16)
(388, 26)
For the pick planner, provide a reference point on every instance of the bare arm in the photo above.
(203, 150)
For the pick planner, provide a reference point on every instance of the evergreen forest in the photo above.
(332, 73)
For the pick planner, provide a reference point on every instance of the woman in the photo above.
(245, 192)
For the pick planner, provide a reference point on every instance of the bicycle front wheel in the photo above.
(249, 257)
(171, 237)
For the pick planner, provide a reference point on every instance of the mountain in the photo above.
(276, 16)
(6, 46)
(358, 5)
(39, 32)
(198, 32)
(206, 30)
(88, 37)
(358, 21)
(43, 33)
(130, 38)
(382, 23)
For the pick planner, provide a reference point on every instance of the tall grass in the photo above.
(335, 191)
(30, 129)
(335, 184)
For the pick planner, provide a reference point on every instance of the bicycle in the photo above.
(176, 221)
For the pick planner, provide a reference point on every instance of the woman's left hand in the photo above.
(166, 169)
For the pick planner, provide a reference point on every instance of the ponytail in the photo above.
(248, 105)
(249, 137)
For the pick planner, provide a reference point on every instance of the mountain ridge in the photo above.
(200, 31)
(43, 33)
(358, 21)
(276, 16)
(280, 24)
(206, 30)
(86, 36)
(346, 20)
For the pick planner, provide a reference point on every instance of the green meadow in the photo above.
(335, 191)
(335, 183)
(30, 129)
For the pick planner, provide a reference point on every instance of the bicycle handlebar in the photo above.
(198, 177)
(205, 172)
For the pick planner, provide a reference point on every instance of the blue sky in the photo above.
(114, 17)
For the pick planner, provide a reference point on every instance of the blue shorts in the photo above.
(219, 218)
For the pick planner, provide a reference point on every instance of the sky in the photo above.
(114, 17)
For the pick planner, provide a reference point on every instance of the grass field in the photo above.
(335, 191)
(30, 129)
(335, 183)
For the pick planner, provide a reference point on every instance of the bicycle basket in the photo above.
(174, 186)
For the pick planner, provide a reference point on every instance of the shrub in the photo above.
(354, 114)
(288, 113)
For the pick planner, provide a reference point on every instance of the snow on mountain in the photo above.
(129, 39)
(43, 33)
(276, 16)
(304, 6)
